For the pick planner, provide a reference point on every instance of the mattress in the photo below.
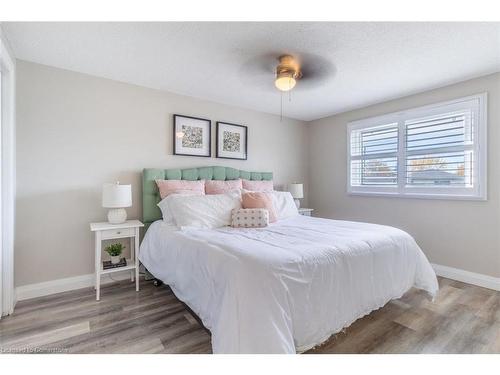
(288, 287)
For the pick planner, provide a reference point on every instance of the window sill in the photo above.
(418, 196)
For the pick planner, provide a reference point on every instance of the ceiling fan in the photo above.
(286, 72)
(312, 71)
(305, 71)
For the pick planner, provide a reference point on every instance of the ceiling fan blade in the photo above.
(259, 71)
(316, 71)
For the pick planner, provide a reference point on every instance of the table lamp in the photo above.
(116, 197)
(297, 191)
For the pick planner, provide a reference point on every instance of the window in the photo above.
(437, 151)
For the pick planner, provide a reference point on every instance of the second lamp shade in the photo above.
(297, 190)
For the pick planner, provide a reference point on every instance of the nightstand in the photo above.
(107, 231)
(306, 211)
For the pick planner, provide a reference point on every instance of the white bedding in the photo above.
(287, 287)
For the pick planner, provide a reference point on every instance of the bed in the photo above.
(281, 289)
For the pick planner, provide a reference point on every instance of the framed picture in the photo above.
(192, 136)
(231, 141)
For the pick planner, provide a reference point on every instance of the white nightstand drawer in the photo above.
(117, 233)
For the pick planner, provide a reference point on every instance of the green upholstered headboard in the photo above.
(151, 197)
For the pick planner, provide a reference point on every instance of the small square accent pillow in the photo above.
(249, 218)
(260, 200)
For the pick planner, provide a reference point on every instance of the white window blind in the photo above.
(374, 156)
(432, 151)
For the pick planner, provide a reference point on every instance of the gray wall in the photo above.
(460, 234)
(75, 132)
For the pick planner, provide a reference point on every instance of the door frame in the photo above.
(8, 178)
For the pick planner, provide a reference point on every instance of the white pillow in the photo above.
(165, 209)
(203, 211)
(284, 205)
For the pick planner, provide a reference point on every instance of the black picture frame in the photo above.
(217, 144)
(174, 137)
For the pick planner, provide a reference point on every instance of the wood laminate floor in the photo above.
(463, 319)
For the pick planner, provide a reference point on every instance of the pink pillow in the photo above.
(221, 187)
(258, 185)
(167, 187)
(259, 200)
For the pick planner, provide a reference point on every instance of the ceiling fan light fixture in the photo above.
(285, 82)
(287, 73)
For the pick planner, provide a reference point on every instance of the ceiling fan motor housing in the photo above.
(288, 67)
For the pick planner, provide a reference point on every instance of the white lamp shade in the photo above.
(116, 195)
(297, 190)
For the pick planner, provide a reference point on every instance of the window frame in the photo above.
(477, 102)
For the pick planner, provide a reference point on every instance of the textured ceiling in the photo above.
(355, 64)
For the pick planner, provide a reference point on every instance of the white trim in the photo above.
(63, 285)
(468, 277)
(477, 103)
(395, 194)
(85, 281)
(395, 116)
(8, 177)
(482, 145)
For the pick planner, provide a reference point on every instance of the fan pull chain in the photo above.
(281, 107)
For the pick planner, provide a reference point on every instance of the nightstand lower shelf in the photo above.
(130, 266)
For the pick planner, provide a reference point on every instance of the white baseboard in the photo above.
(468, 277)
(63, 285)
(84, 281)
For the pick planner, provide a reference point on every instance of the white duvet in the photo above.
(287, 287)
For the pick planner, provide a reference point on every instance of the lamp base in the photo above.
(117, 216)
(297, 203)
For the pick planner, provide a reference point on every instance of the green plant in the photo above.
(114, 249)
